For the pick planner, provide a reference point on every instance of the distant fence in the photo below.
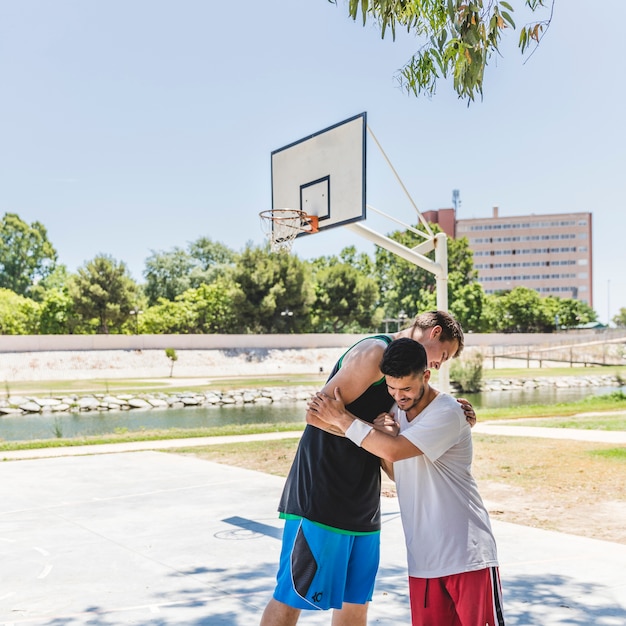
(607, 347)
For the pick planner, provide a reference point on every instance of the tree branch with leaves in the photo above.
(460, 37)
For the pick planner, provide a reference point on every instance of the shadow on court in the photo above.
(160, 539)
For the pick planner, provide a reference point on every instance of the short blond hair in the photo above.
(450, 329)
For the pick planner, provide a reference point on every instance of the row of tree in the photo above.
(210, 288)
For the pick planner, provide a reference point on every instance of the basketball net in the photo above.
(283, 225)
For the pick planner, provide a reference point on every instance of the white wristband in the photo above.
(357, 431)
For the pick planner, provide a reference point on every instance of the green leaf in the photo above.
(507, 17)
(523, 39)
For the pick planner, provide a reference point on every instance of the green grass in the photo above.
(612, 454)
(151, 435)
(57, 387)
(612, 402)
(615, 422)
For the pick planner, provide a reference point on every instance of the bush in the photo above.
(467, 373)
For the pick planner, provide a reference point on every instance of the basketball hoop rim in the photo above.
(309, 223)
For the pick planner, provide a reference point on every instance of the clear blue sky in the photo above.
(128, 127)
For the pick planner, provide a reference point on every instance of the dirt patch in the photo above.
(575, 516)
(567, 486)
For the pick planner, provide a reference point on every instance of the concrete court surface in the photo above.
(155, 538)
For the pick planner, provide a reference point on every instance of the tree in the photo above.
(167, 274)
(170, 274)
(18, 315)
(407, 287)
(620, 319)
(58, 278)
(214, 308)
(568, 312)
(345, 300)
(56, 314)
(273, 283)
(467, 303)
(167, 317)
(26, 255)
(104, 290)
(361, 261)
(213, 260)
(518, 311)
(170, 353)
(211, 254)
(400, 280)
(459, 37)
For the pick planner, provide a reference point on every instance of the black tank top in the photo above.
(332, 481)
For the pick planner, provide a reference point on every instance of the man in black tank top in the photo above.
(335, 485)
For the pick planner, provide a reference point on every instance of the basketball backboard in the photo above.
(322, 177)
(324, 174)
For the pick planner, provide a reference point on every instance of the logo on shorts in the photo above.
(317, 596)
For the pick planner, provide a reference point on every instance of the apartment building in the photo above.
(551, 253)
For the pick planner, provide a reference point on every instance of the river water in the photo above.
(51, 425)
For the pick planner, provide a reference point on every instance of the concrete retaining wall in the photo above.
(55, 343)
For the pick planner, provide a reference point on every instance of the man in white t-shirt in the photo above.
(427, 449)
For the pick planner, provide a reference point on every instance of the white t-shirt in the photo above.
(446, 524)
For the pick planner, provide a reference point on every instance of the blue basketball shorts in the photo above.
(321, 568)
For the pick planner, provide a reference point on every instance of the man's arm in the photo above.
(360, 368)
(388, 469)
(333, 412)
(313, 420)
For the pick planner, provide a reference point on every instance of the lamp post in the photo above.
(401, 319)
(136, 313)
(288, 314)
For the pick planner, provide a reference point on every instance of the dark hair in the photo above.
(450, 328)
(403, 357)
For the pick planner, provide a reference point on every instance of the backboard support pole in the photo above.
(441, 259)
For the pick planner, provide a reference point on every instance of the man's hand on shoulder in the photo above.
(332, 411)
(470, 415)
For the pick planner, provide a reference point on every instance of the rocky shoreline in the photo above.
(561, 382)
(73, 403)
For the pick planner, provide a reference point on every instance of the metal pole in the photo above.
(441, 259)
